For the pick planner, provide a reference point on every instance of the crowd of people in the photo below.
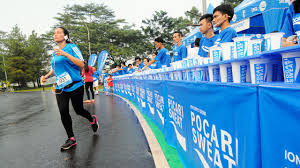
(220, 18)
(67, 61)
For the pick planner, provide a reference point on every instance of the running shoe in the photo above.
(95, 124)
(69, 144)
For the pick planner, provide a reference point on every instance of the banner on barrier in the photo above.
(216, 130)
(279, 121)
(156, 102)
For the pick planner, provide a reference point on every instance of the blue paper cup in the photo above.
(215, 53)
(255, 47)
(184, 63)
(226, 73)
(241, 45)
(228, 51)
(214, 73)
(273, 41)
(291, 67)
(265, 70)
(240, 72)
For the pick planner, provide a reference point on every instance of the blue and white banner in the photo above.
(92, 60)
(156, 102)
(141, 94)
(132, 88)
(217, 124)
(280, 126)
(101, 60)
(222, 125)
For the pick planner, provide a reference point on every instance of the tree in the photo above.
(161, 25)
(24, 58)
(193, 15)
(233, 3)
(2, 68)
(104, 29)
(17, 65)
(36, 53)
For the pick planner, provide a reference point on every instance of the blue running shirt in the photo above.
(61, 64)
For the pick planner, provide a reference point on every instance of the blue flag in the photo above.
(92, 60)
(101, 60)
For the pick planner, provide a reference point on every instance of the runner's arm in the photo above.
(73, 59)
(50, 73)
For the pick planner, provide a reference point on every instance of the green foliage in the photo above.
(24, 57)
(27, 58)
(193, 15)
(105, 32)
(161, 25)
(233, 3)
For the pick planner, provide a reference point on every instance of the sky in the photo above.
(39, 15)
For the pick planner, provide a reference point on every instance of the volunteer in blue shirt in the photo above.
(66, 63)
(117, 71)
(222, 16)
(154, 65)
(162, 57)
(139, 63)
(179, 50)
(146, 61)
(291, 24)
(209, 37)
(124, 68)
(104, 75)
(130, 69)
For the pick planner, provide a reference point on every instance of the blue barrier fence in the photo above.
(222, 125)
(214, 124)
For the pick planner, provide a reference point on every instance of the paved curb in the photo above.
(157, 153)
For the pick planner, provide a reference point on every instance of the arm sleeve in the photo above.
(77, 52)
(287, 27)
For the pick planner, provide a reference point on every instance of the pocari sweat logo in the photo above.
(205, 48)
(176, 115)
(212, 142)
(296, 20)
(159, 103)
(262, 6)
(175, 53)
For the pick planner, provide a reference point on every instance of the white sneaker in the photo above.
(96, 92)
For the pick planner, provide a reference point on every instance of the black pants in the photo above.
(76, 97)
(87, 86)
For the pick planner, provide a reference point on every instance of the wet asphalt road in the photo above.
(31, 134)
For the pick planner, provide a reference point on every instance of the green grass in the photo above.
(169, 152)
(34, 89)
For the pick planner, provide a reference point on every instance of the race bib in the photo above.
(63, 80)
